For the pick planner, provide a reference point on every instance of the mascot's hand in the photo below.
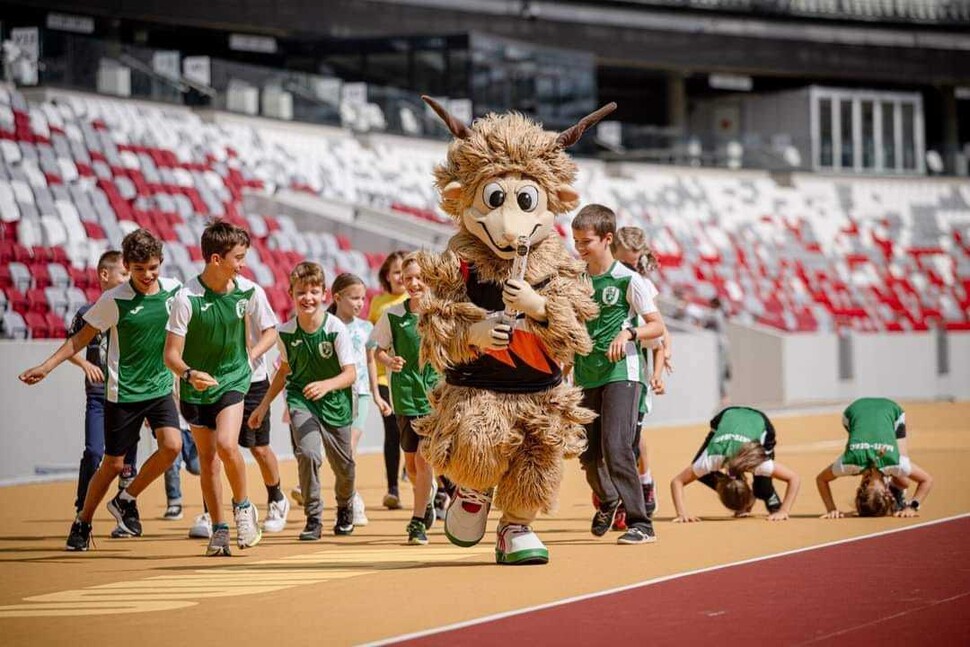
(520, 296)
(490, 334)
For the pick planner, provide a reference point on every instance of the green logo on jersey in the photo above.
(241, 308)
(326, 349)
(611, 295)
(168, 304)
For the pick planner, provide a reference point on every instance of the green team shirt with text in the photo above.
(737, 427)
(135, 325)
(397, 333)
(872, 424)
(622, 296)
(214, 328)
(315, 356)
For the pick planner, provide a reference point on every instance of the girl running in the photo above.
(741, 440)
(877, 450)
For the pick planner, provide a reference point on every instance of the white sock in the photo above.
(647, 477)
(125, 496)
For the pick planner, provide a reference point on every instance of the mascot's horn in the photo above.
(457, 128)
(571, 135)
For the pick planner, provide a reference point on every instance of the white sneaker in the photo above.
(276, 516)
(248, 533)
(467, 516)
(517, 544)
(201, 527)
(360, 516)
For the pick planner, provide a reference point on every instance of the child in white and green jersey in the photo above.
(741, 440)
(397, 342)
(612, 375)
(318, 370)
(207, 348)
(138, 386)
(876, 449)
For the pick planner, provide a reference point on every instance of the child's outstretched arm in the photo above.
(68, 349)
(822, 481)
(924, 483)
(677, 495)
(792, 485)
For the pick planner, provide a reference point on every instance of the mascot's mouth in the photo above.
(509, 248)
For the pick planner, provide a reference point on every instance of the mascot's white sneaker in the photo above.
(467, 516)
(518, 545)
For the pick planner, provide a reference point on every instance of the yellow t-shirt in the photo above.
(378, 305)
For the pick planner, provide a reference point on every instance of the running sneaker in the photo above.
(297, 495)
(345, 521)
(429, 516)
(417, 533)
(313, 530)
(441, 502)
(126, 514)
(518, 545)
(173, 512)
(360, 510)
(120, 533)
(392, 500)
(467, 516)
(80, 537)
(619, 521)
(637, 535)
(248, 533)
(603, 519)
(649, 498)
(276, 515)
(219, 544)
(201, 527)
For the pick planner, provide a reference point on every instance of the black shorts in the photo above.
(254, 437)
(123, 421)
(409, 437)
(204, 415)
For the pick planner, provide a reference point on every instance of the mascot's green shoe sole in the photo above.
(522, 557)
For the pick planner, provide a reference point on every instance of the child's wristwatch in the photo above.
(914, 504)
(187, 374)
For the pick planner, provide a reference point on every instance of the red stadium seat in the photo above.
(37, 325)
(37, 301)
(55, 326)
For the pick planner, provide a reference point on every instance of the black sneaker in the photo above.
(441, 501)
(649, 499)
(637, 535)
(429, 516)
(417, 533)
(603, 519)
(126, 514)
(312, 530)
(899, 496)
(345, 521)
(80, 537)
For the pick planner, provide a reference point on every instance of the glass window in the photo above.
(868, 136)
(888, 135)
(909, 136)
(826, 147)
(845, 129)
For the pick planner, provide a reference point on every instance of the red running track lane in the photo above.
(912, 585)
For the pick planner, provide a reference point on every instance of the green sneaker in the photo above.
(518, 545)
(417, 533)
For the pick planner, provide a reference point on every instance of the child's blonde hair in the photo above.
(732, 486)
(307, 273)
(873, 498)
(635, 240)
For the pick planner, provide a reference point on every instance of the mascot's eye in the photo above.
(528, 198)
(494, 195)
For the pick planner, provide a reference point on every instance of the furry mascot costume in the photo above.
(502, 419)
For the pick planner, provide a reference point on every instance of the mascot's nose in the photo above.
(515, 224)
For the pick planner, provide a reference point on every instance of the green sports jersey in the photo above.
(397, 333)
(622, 295)
(135, 323)
(314, 356)
(872, 424)
(214, 328)
(737, 427)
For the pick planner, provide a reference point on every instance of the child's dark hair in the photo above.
(634, 239)
(220, 237)
(109, 258)
(140, 246)
(596, 218)
(385, 271)
(732, 486)
(341, 283)
(871, 500)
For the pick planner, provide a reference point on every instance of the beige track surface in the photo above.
(157, 589)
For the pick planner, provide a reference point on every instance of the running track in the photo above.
(903, 586)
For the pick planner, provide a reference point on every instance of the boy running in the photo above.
(206, 347)
(317, 368)
(611, 376)
(138, 386)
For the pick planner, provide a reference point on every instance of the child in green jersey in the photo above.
(612, 375)
(741, 440)
(318, 370)
(138, 386)
(877, 450)
(207, 348)
(397, 342)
